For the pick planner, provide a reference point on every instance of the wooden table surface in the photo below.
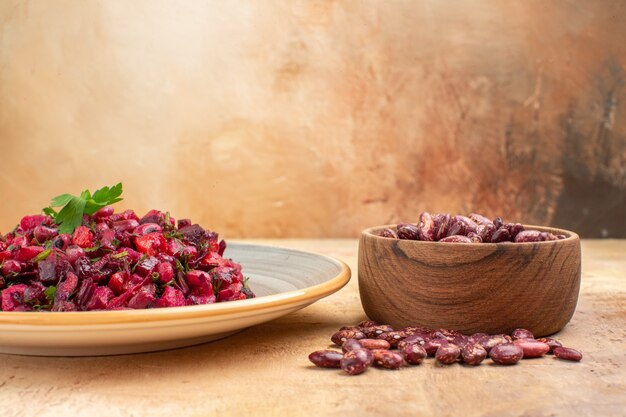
(264, 371)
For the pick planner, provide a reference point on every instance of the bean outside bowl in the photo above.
(476, 287)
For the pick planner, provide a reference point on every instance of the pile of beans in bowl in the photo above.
(474, 228)
(369, 343)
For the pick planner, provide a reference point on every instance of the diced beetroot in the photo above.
(28, 223)
(62, 241)
(125, 225)
(4, 255)
(202, 299)
(73, 253)
(222, 247)
(153, 216)
(230, 295)
(11, 266)
(103, 213)
(145, 228)
(27, 253)
(164, 257)
(99, 299)
(198, 279)
(146, 266)
(125, 215)
(144, 297)
(66, 288)
(132, 254)
(171, 297)
(183, 223)
(34, 293)
(107, 239)
(116, 282)
(174, 247)
(64, 306)
(212, 260)
(13, 298)
(194, 234)
(224, 276)
(102, 227)
(190, 252)
(43, 233)
(20, 241)
(82, 237)
(166, 272)
(151, 244)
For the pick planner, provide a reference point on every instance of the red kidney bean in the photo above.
(498, 222)
(426, 227)
(392, 337)
(367, 323)
(413, 354)
(449, 335)
(532, 348)
(474, 237)
(473, 354)
(343, 335)
(408, 231)
(387, 359)
(522, 334)
(568, 354)
(479, 219)
(326, 358)
(489, 342)
(468, 224)
(486, 231)
(389, 233)
(352, 328)
(442, 224)
(411, 330)
(372, 344)
(351, 344)
(447, 354)
(529, 236)
(513, 228)
(432, 345)
(553, 343)
(456, 239)
(357, 361)
(373, 331)
(418, 339)
(501, 235)
(506, 354)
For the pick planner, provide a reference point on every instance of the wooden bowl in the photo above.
(478, 287)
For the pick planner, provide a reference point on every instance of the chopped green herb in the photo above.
(50, 293)
(120, 255)
(43, 255)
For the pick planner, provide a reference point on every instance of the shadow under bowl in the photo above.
(479, 287)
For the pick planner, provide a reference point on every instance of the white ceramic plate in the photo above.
(284, 281)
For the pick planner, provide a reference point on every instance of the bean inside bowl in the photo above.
(481, 287)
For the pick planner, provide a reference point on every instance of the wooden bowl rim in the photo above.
(570, 236)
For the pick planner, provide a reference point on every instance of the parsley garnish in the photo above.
(71, 215)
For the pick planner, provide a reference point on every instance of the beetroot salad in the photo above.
(88, 257)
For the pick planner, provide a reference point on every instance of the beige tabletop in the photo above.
(264, 371)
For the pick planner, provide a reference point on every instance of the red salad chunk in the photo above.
(115, 261)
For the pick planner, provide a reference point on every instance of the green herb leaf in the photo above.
(71, 215)
(43, 255)
(61, 200)
(50, 293)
